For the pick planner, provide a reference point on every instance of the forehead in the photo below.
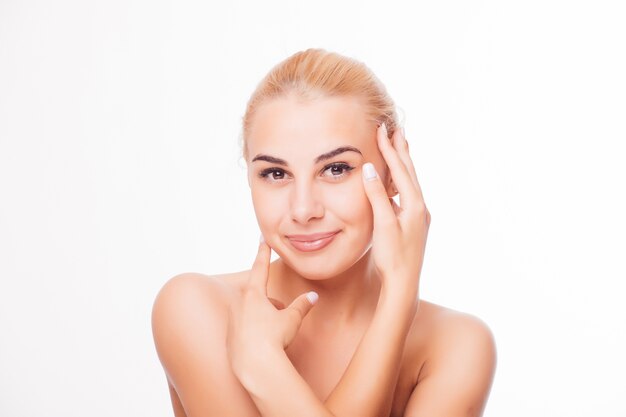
(288, 126)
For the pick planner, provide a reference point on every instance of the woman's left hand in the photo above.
(255, 323)
(400, 231)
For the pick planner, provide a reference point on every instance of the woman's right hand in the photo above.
(400, 232)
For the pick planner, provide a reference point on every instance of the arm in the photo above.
(365, 389)
(188, 324)
(457, 377)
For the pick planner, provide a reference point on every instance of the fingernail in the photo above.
(369, 172)
(312, 297)
(261, 238)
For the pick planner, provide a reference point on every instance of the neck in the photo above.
(344, 300)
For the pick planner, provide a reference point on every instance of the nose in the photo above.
(305, 204)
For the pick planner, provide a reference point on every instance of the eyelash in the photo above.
(345, 167)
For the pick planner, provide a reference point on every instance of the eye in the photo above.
(272, 174)
(334, 171)
(338, 170)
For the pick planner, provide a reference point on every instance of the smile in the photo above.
(310, 243)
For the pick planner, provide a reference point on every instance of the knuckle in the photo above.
(420, 209)
(247, 293)
(378, 193)
(421, 214)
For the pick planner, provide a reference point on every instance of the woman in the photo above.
(334, 326)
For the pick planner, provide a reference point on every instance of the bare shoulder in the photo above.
(440, 331)
(180, 287)
(457, 362)
(184, 303)
(192, 287)
(189, 302)
(189, 308)
(444, 323)
(189, 326)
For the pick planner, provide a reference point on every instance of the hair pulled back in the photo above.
(316, 73)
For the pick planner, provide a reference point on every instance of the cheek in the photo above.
(267, 208)
(349, 202)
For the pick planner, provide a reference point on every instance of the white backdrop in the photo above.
(119, 168)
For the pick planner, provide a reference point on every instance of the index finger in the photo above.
(260, 268)
(398, 170)
(401, 145)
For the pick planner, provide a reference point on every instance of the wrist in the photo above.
(401, 297)
(255, 362)
(398, 311)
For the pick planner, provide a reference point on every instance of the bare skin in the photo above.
(212, 389)
(250, 343)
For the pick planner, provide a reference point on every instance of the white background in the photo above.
(119, 168)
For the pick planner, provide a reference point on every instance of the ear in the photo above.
(391, 189)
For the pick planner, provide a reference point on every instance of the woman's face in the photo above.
(304, 170)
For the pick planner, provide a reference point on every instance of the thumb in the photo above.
(377, 195)
(301, 306)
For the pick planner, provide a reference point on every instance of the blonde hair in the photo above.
(317, 73)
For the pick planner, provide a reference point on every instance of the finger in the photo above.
(399, 173)
(402, 147)
(301, 306)
(377, 195)
(260, 269)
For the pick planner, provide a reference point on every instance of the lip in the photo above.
(313, 242)
(311, 237)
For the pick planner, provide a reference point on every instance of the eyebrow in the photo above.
(322, 157)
